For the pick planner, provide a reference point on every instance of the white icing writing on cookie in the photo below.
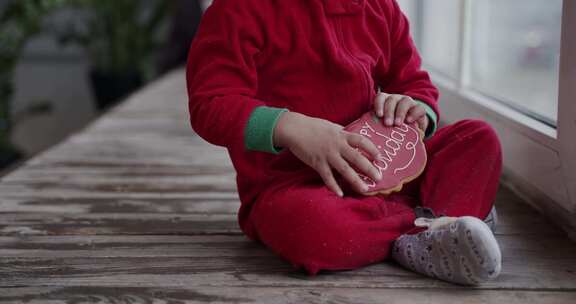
(394, 143)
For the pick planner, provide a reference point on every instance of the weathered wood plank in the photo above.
(126, 212)
(184, 294)
(85, 246)
(155, 149)
(258, 271)
(203, 183)
(118, 217)
(20, 191)
(129, 246)
(526, 223)
(120, 205)
(235, 261)
(69, 169)
(117, 223)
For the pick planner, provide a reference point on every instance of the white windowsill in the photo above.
(496, 109)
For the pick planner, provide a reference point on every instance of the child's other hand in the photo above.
(324, 146)
(396, 109)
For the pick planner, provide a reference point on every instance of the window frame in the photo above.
(536, 155)
(567, 99)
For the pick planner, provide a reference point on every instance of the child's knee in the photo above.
(301, 222)
(480, 132)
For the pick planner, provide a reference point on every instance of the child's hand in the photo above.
(396, 109)
(324, 146)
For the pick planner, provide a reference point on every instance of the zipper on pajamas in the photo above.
(364, 73)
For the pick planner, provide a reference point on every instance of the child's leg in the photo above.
(312, 227)
(464, 166)
(461, 180)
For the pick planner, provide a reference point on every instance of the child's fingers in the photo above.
(349, 174)
(415, 113)
(390, 108)
(423, 123)
(359, 141)
(402, 109)
(328, 177)
(360, 162)
(379, 101)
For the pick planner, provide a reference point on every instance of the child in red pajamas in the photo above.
(275, 82)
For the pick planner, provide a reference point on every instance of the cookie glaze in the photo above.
(402, 152)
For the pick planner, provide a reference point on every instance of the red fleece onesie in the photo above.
(326, 59)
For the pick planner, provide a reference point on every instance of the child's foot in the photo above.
(460, 250)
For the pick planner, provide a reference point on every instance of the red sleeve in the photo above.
(399, 70)
(221, 72)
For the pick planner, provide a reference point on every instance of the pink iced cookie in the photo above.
(403, 155)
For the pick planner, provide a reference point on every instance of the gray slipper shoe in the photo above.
(460, 250)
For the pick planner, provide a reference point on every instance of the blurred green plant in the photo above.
(19, 21)
(118, 35)
(120, 38)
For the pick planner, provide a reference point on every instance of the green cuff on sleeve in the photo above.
(432, 117)
(258, 135)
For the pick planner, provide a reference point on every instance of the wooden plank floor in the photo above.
(137, 208)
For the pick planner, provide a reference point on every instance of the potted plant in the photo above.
(19, 21)
(120, 38)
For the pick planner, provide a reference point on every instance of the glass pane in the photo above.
(440, 35)
(410, 9)
(515, 50)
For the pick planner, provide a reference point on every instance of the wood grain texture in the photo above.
(183, 294)
(138, 209)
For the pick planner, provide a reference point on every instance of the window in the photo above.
(510, 53)
(410, 9)
(440, 51)
(511, 63)
(515, 51)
